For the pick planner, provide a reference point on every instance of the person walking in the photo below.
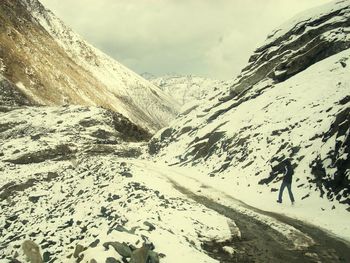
(287, 181)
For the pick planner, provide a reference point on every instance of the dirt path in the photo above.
(261, 243)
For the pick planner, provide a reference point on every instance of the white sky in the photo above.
(211, 38)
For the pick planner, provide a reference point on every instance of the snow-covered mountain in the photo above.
(78, 185)
(187, 89)
(71, 189)
(291, 101)
(49, 64)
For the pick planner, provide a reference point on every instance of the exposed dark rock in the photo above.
(88, 122)
(35, 137)
(122, 248)
(154, 146)
(128, 131)
(150, 226)
(306, 196)
(126, 174)
(186, 129)
(339, 157)
(14, 260)
(48, 243)
(78, 250)
(34, 199)
(144, 255)
(166, 133)
(94, 243)
(128, 153)
(112, 260)
(12, 218)
(298, 49)
(67, 224)
(8, 126)
(344, 100)
(47, 256)
(205, 148)
(60, 152)
(105, 137)
(10, 95)
(11, 188)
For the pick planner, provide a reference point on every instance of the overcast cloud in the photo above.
(211, 38)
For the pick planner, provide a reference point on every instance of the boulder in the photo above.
(144, 255)
(78, 250)
(121, 248)
(32, 252)
(112, 260)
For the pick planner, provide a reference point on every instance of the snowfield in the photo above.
(81, 191)
(291, 127)
(88, 184)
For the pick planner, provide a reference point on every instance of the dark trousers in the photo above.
(289, 187)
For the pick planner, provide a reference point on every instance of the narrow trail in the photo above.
(259, 242)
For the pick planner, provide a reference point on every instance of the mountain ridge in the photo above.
(223, 136)
(55, 67)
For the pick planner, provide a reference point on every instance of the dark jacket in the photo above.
(288, 172)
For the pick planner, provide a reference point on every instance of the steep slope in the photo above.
(51, 65)
(185, 89)
(9, 95)
(299, 43)
(291, 101)
(73, 190)
(69, 191)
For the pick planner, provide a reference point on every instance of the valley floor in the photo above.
(94, 201)
(264, 235)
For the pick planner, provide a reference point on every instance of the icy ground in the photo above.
(73, 185)
(64, 183)
(239, 140)
(81, 190)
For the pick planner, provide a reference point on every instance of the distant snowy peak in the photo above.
(187, 88)
(55, 66)
(148, 76)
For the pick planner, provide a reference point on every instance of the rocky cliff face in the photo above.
(299, 43)
(9, 95)
(51, 65)
(291, 101)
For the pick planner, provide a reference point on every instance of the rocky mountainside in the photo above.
(9, 94)
(291, 101)
(48, 64)
(187, 89)
(76, 182)
(71, 190)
